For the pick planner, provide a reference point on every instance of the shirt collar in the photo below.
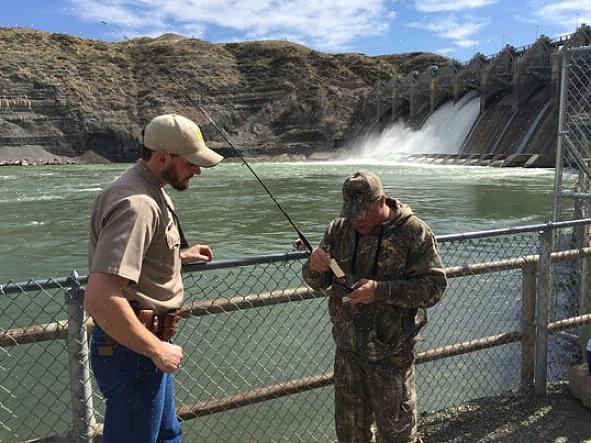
(141, 168)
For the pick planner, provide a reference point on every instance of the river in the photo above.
(44, 231)
(45, 209)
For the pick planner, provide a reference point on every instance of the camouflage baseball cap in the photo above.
(360, 190)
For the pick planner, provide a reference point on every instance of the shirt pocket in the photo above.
(173, 238)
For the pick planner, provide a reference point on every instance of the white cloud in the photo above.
(466, 43)
(450, 5)
(460, 31)
(445, 51)
(326, 24)
(564, 14)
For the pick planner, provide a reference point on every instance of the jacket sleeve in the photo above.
(319, 280)
(424, 279)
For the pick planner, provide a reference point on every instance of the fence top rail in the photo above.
(71, 281)
(515, 230)
(578, 49)
(75, 280)
(245, 261)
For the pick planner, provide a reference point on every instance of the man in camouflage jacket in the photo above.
(393, 272)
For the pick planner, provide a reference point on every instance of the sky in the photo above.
(454, 28)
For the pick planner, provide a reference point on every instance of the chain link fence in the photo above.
(258, 346)
(573, 168)
(34, 392)
(573, 164)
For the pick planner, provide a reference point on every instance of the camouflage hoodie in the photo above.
(402, 255)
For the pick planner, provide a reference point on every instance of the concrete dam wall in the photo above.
(510, 103)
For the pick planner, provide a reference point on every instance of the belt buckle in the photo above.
(105, 351)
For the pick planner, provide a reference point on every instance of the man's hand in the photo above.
(319, 260)
(168, 358)
(196, 253)
(364, 293)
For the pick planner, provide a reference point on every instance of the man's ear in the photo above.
(160, 156)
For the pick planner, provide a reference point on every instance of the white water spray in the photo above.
(443, 133)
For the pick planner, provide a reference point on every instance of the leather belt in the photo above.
(163, 326)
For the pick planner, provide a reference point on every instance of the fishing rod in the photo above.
(334, 266)
(301, 235)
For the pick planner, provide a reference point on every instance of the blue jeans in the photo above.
(139, 397)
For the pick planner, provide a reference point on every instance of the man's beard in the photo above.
(172, 178)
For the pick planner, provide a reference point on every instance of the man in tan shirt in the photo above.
(135, 284)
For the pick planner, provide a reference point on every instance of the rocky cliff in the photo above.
(88, 100)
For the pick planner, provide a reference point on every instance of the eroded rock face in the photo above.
(73, 96)
(38, 126)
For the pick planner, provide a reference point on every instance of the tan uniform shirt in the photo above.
(133, 235)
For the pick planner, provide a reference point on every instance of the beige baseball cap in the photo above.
(360, 190)
(176, 134)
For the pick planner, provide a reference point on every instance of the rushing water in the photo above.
(443, 132)
(45, 210)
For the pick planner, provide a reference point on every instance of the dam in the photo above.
(507, 108)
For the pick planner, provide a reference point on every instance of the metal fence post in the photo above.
(584, 283)
(528, 327)
(559, 166)
(543, 297)
(83, 420)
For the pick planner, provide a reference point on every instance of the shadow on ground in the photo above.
(558, 418)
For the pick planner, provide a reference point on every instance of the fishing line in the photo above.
(301, 236)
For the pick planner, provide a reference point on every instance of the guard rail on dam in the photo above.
(258, 348)
(519, 93)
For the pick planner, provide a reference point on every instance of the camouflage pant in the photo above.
(366, 392)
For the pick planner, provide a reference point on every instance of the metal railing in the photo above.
(258, 347)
